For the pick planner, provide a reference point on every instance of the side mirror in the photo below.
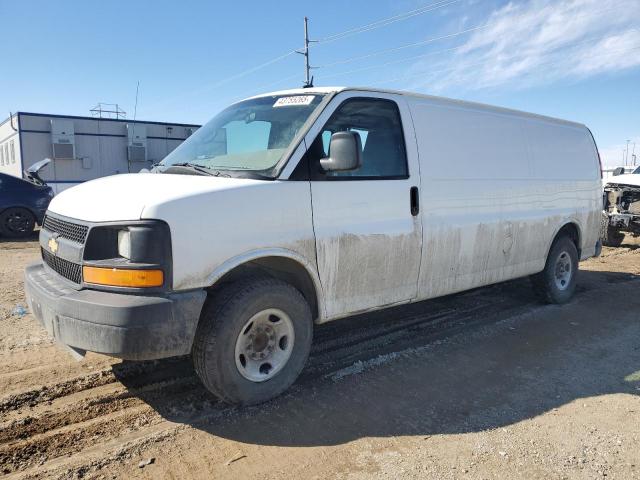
(345, 153)
(618, 171)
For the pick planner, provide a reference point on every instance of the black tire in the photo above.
(16, 222)
(546, 284)
(612, 237)
(223, 318)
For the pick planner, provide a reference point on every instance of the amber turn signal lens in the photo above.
(117, 277)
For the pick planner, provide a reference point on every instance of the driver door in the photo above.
(368, 231)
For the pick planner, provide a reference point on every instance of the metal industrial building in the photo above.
(84, 148)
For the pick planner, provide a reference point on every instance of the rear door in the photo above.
(367, 228)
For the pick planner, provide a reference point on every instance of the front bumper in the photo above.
(628, 222)
(132, 327)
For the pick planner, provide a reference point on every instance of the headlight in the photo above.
(133, 255)
(124, 244)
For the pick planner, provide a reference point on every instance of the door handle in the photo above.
(415, 201)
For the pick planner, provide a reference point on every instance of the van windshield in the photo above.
(249, 136)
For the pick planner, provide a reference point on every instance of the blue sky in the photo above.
(574, 59)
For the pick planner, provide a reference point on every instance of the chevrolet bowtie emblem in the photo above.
(53, 245)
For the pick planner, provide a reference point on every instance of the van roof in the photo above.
(462, 103)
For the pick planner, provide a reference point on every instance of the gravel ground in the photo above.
(484, 384)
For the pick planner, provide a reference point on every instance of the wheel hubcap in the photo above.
(563, 271)
(264, 345)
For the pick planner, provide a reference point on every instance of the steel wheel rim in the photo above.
(264, 345)
(563, 271)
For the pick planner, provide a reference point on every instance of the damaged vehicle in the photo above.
(23, 203)
(622, 207)
(300, 207)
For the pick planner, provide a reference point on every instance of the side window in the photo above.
(13, 152)
(378, 123)
(1, 155)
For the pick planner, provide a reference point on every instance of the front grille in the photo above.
(70, 231)
(69, 270)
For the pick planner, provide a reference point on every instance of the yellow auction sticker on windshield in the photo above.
(293, 101)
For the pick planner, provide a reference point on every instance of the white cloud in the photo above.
(536, 42)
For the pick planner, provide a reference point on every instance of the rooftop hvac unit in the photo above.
(62, 139)
(137, 142)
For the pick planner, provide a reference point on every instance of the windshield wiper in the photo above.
(240, 172)
(202, 169)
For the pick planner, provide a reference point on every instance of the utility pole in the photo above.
(626, 156)
(308, 79)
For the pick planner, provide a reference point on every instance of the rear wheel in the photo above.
(557, 282)
(16, 222)
(253, 340)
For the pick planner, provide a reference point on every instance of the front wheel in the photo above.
(557, 282)
(253, 340)
(16, 222)
(613, 237)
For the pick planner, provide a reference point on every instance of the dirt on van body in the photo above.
(484, 384)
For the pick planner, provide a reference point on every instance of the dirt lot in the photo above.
(485, 384)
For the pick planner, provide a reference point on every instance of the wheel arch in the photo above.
(283, 264)
(570, 228)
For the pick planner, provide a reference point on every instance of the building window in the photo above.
(6, 154)
(13, 152)
(1, 155)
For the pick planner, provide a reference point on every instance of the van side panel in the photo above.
(566, 172)
(487, 215)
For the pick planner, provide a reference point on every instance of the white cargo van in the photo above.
(307, 206)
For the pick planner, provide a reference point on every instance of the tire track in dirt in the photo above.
(57, 433)
(71, 439)
(62, 425)
(29, 441)
(139, 373)
(101, 404)
(147, 394)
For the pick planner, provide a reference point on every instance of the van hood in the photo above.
(125, 197)
(632, 179)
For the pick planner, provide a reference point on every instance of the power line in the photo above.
(223, 81)
(393, 62)
(387, 21)
(402, 47)
(353, 31)
(251, 70)
(430, 40)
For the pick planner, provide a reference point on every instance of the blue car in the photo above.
(23, 202)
